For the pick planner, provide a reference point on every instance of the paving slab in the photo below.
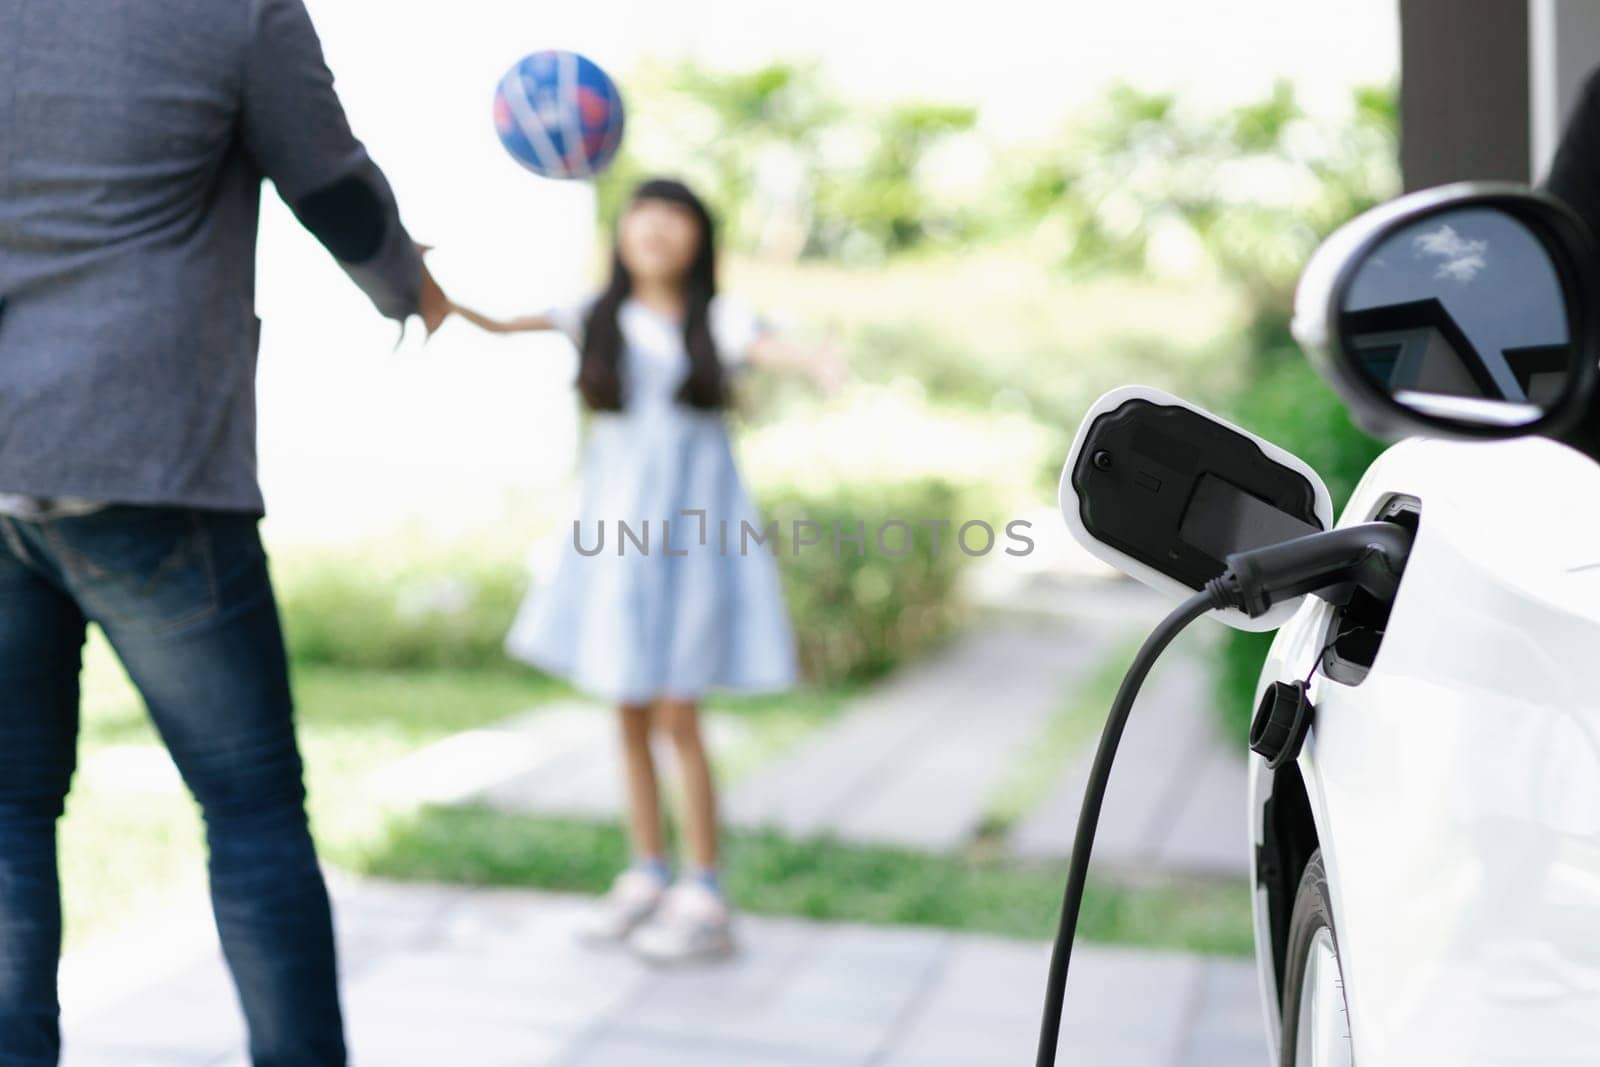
(1207, 829)
(497, 977)
(914, 763)
(562, 759)
(1177, 797)
(934, 797)
(1229, 1027)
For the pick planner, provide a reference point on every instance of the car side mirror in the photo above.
(1455, 312)
(1165, 491)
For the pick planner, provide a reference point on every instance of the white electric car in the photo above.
(1425, 821)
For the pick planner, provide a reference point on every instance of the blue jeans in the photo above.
(186, 601)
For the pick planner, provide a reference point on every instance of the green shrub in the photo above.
(865, 173)
(405, 604)
(858, 614)
(400, 605)
(1290, 406)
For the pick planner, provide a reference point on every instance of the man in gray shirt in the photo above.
(134, 138)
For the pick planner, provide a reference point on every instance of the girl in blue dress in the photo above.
(663, 594)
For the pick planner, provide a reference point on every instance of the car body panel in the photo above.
(1456, 789)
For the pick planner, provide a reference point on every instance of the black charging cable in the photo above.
(1371, 556)
(1089, 817)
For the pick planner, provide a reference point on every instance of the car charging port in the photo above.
(1355, 631)
(1331, 565)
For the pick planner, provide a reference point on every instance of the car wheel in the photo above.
(1316, 1023)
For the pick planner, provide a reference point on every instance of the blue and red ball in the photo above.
(559, 115)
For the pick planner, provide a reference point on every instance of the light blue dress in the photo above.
(661, 589)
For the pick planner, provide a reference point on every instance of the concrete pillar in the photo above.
(1464, 91)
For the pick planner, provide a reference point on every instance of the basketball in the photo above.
(559, 115)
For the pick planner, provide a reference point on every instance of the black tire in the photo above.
(1313, 912)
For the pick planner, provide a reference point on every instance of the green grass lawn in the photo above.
(123, 847)
(123, 850)
(821, 879)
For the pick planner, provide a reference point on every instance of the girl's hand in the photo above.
(524, 324)
(822, 364)
(827, 368)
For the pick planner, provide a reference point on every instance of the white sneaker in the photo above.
(633, 898)
(692, 923)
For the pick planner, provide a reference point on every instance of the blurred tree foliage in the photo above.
(1132, 182)
(879, 204)
(1140, 180)
(790, 168)
(1136, 182)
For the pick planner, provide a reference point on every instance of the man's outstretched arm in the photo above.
(295, 128)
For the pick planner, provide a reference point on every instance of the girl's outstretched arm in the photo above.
(823, 364)
(521, 324)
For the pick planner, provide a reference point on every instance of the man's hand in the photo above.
(432, 304)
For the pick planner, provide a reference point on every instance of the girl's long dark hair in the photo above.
(600, 370)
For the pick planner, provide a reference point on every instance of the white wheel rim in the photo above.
(1323, 1030)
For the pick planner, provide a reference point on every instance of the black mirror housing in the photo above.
(1461, 311)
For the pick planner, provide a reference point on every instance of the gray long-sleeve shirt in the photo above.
(133, 141)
